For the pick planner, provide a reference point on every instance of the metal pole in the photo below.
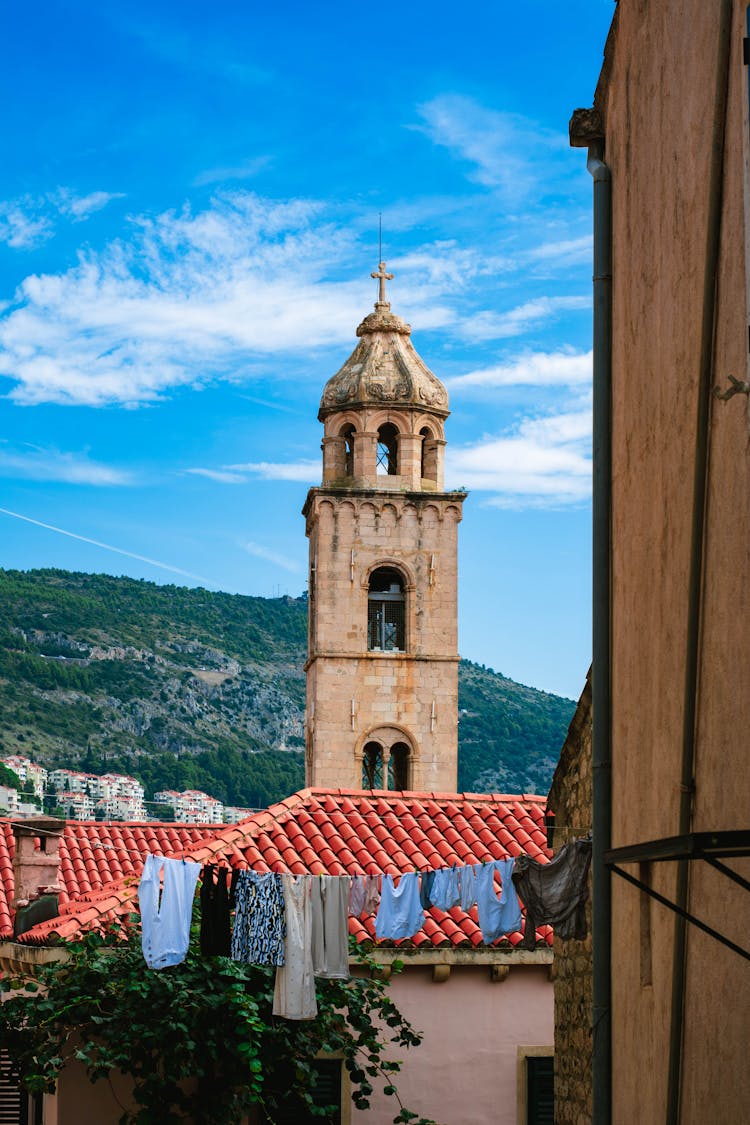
(601, 898)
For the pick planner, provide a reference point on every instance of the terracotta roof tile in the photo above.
(334, 830)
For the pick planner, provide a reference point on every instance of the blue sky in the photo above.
(189, 202)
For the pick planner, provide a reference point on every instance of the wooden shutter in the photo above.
(540, 1078)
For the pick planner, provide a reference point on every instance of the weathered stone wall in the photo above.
(351, 692)
(570, 799)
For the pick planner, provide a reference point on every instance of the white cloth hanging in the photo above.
(294, 989)
(165, 921)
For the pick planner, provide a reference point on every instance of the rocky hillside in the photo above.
(193, 689)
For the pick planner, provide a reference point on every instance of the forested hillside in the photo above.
(193, 689)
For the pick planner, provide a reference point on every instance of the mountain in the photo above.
(187, 688)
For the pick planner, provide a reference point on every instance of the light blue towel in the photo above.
(165, 924)
(400, 914)
(497, 915)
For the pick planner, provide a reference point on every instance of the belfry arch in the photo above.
(387, 758)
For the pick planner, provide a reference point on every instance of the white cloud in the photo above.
(191, 298)
(305, 471)
(567, 251)
(29, 221)
(262, 552)
(244, 171)
(516, 321)
(219, 475)
(79, 207)
(21, 227)
(501, 147)
(540, 462)
(54, 465)
(565, 368)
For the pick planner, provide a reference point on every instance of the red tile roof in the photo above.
(334, 831)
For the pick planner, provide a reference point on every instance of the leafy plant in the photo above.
(198, 1040)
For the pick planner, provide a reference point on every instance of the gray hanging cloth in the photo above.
(555, 893)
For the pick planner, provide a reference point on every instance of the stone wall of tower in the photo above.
(352, 692)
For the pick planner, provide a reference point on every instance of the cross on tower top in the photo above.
(383, 277)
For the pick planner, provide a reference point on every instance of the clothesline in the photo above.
(300, 923)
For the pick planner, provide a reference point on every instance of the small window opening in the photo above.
(387, 464)
(372, 766)
(348, 435)
(400, 765)
(429, 455)
(386, 615)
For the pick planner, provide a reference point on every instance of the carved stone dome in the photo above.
(384, 369)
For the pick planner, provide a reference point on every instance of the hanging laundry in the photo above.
(364, 895)
(330, 925)
(496, 915)
(259, 924)
(466, 886)
(400, 914)
(294, 989)
(555, 893)
(427, 878)
(445, 889)
(216, 934)
(165, 922)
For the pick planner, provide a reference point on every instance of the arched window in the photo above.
(387, 464)
(399, 766)
(429, 455)
(372, 766)
(386, 616)
(347, 434)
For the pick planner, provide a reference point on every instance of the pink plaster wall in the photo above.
(465, 1071)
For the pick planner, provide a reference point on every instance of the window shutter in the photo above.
(11, 1096)
(540, 1077)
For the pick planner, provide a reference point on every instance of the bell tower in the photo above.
(382, 666)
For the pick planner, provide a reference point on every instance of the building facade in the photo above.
(382, 668)
(669, 131)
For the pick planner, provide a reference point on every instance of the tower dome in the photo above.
(384, 367)
(383, 411)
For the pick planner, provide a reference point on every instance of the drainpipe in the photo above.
(697, 548)
(601, 897)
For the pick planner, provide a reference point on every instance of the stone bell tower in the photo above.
(382, 667)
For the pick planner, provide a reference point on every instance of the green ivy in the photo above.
(198, 1040)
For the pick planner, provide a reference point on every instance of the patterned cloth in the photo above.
(259, 921)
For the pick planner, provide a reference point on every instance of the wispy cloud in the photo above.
(108, 547)
(79, 207)
(22, 226)
(246, 170)
(29, 221)
(34, 463)
(497, 146)
(274, 557)
(540, 462)
(190, 298)
(306, 471)
(501, 325)
(565, 368)
(219, 475)
(568, 251)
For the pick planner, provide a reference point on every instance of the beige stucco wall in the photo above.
(658, 103)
